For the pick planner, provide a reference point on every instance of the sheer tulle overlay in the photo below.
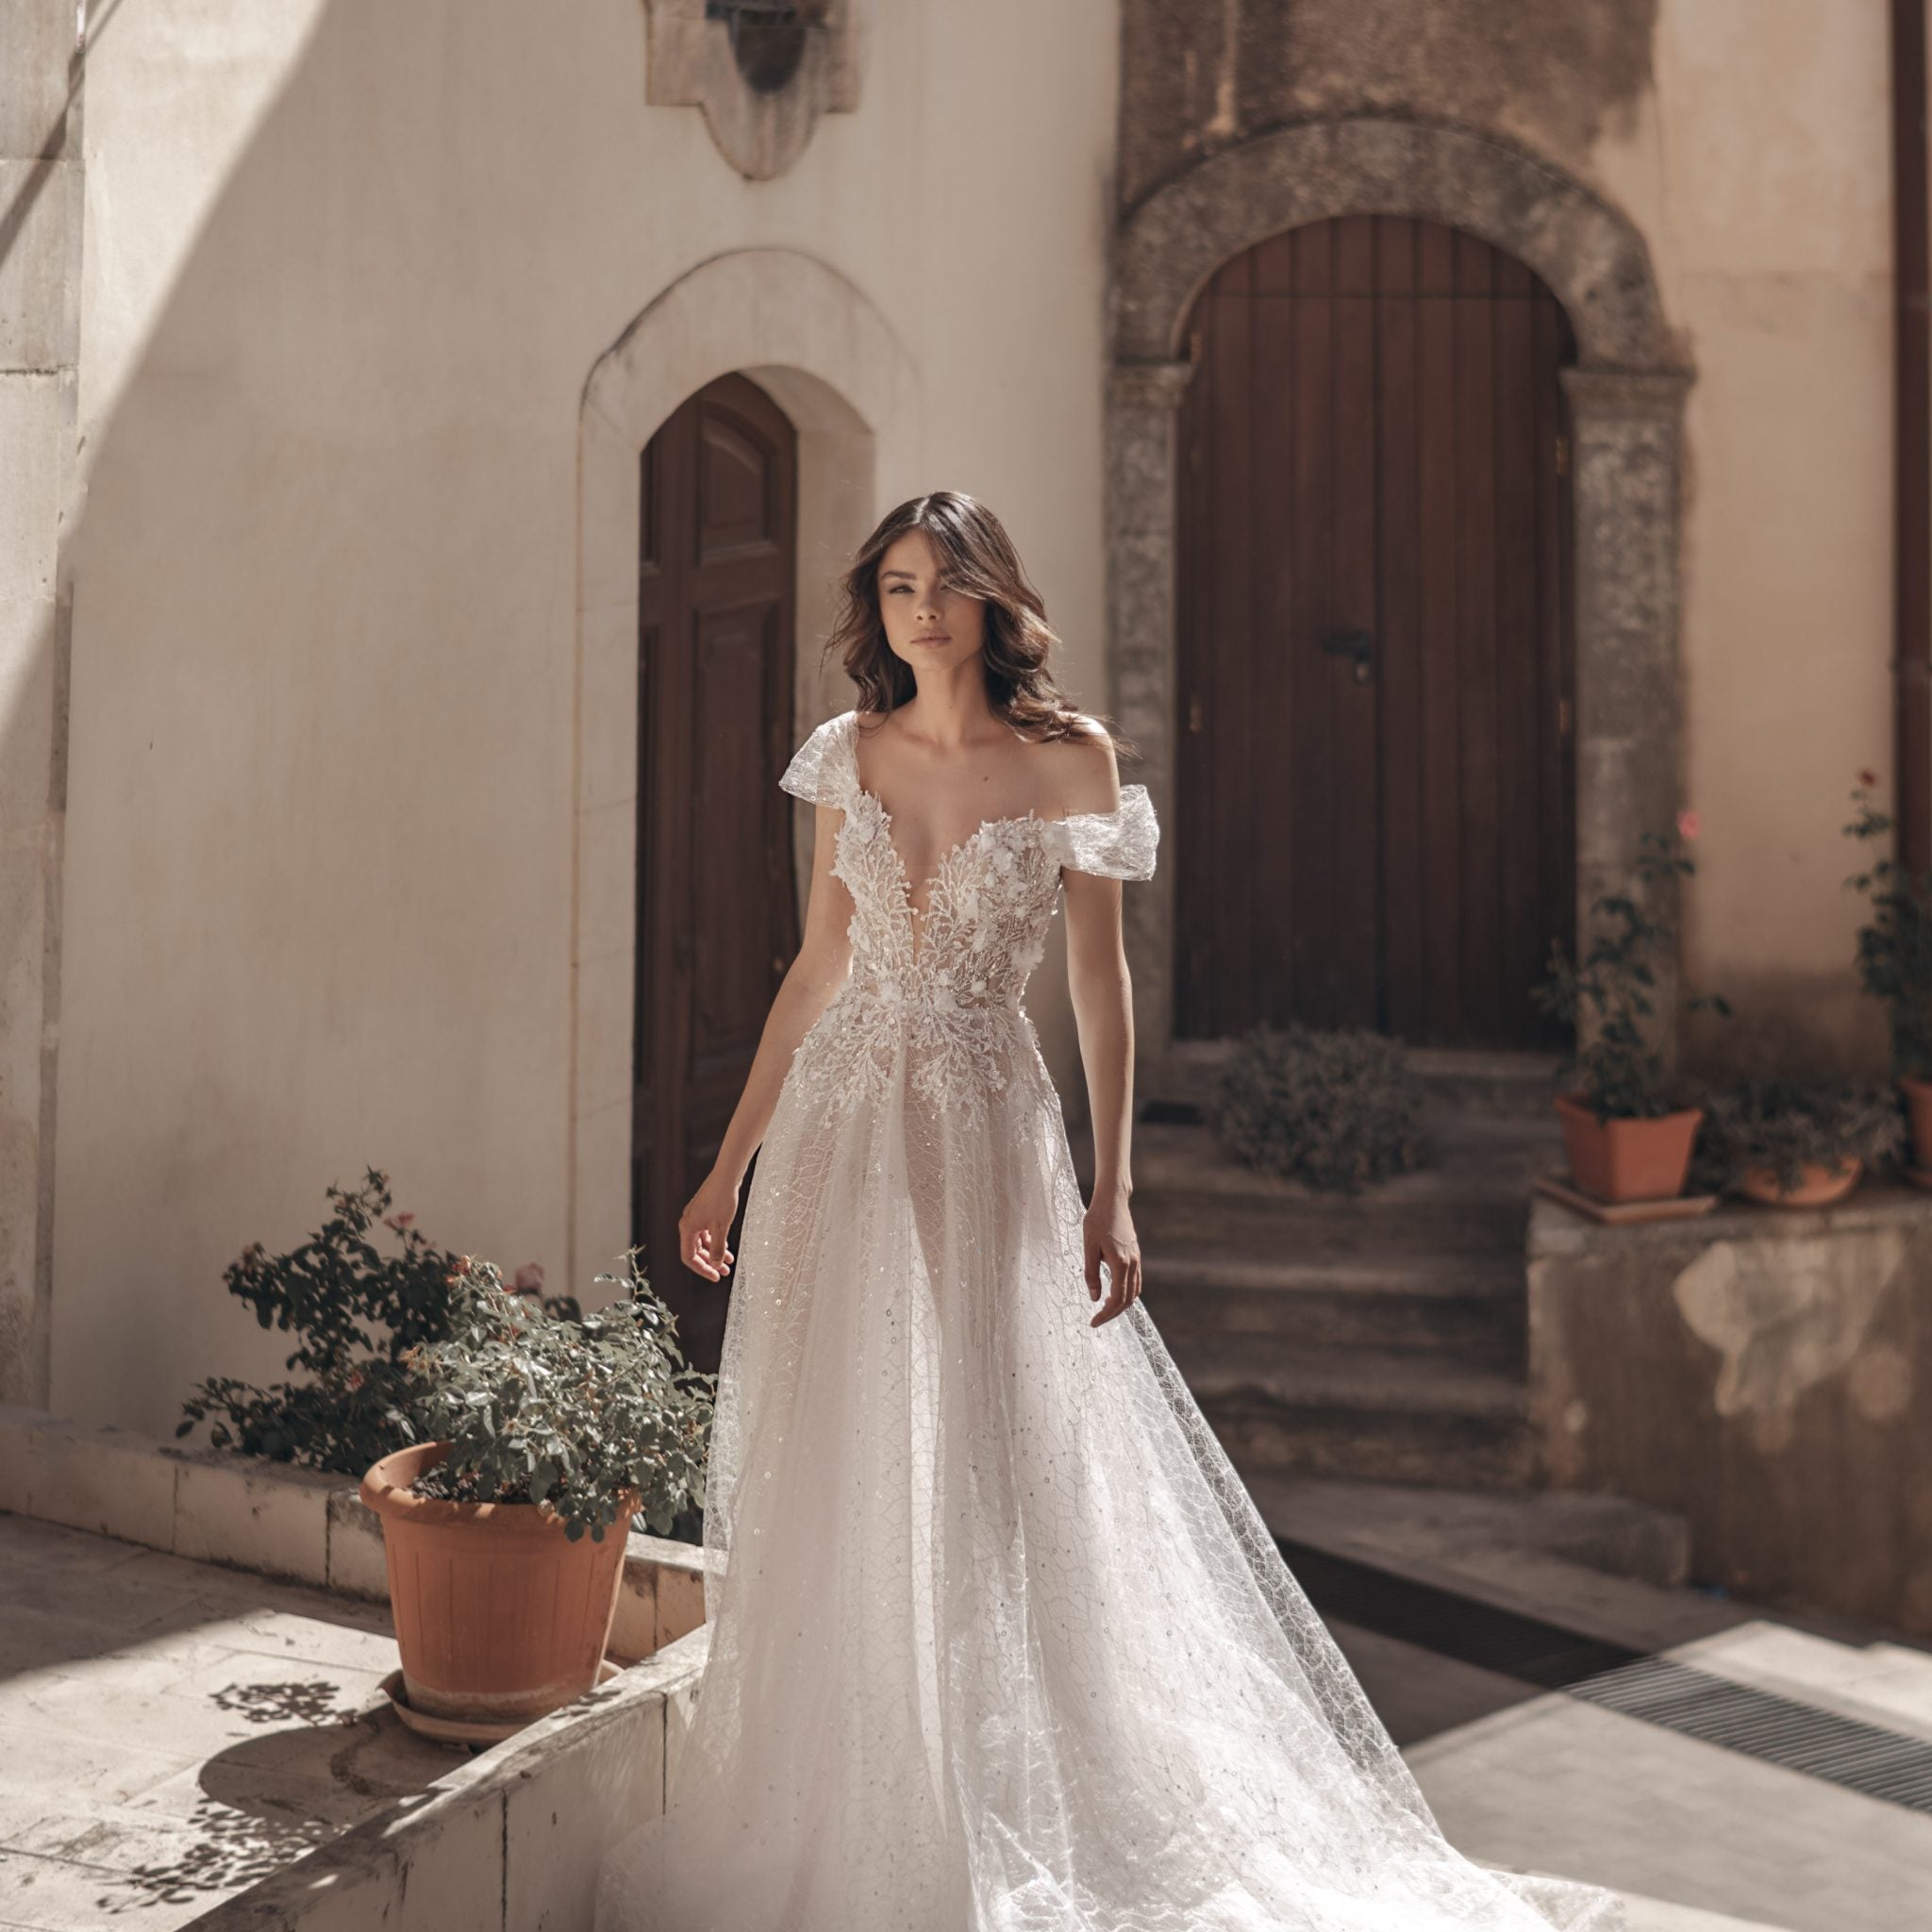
(998, 1643)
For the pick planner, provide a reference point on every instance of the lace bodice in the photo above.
(948, 981)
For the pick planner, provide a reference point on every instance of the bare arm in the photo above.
(825, 958)
(1103, 1000)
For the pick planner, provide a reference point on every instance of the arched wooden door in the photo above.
(1375, 800)
(716, 913)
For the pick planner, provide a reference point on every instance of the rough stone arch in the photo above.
(1626, 400)
(828, 358)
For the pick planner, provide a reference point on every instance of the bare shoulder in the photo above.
(1085, 774)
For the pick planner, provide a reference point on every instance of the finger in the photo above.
(1113, 1304)
(700, 1257)
(1093, 1272)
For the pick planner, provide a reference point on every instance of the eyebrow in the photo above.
(906, 573)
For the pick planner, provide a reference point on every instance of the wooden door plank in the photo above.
(1399, 671)
(1439, 569)
(1476, 643)
(1520, 717)
(1355, 831)
(1308, 556)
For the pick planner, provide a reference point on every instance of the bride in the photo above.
(998, 1641)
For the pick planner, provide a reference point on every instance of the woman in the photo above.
(998, 1643)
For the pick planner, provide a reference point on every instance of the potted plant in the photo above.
(1800, 1144)
(358, 1315)
(1895, 962)
(1627, 1136)
(535, 1441)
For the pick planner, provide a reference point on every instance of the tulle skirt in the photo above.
(998, 1641)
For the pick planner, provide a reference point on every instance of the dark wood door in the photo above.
(717, 918)
(1375, 802)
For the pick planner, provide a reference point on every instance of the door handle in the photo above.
(1356, 645)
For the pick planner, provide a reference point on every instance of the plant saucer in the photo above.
(457, 1730)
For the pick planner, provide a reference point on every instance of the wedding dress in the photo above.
(998, 1641)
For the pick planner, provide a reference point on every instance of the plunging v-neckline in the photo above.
(915, 919)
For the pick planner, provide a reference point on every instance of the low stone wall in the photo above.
(1766, 1371)
(507, 1840)
(271, 1517)
(510, 1841)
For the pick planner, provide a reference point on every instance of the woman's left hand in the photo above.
(1109, 1235)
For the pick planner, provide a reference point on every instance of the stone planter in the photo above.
(1627, 1159)
(1818, 1184)
(500, 1618)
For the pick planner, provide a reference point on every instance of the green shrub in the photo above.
(1334, 1109)
(538, 1407)
(1895, 943)
(1607, 996)
(358, 1313)
(1781, 1123)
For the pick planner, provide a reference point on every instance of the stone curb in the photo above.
(252, 1513)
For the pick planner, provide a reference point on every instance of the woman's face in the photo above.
(930, 628)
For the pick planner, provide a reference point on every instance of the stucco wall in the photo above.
(1759, 1372)
(349, 268)
(1747, 143)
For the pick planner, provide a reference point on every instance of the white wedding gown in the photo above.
(998, 1641)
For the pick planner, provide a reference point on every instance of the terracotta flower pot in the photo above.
(1919, 1104)
(499, 1616)
(1627, 1159)
(1816, 1184)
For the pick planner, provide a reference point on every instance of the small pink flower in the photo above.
(1868, 778)
(1688, 825)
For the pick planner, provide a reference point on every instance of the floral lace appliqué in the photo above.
(939, 993)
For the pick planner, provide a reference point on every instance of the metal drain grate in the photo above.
(1863, 1757)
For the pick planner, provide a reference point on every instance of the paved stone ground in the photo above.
(172, 1732)
(1556, 1784)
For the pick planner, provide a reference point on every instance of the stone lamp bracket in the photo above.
(763, 72)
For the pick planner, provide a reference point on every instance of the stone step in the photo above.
(1377, 1413)
(1470, 1304)
(1589, 1535)
(1367, 1381)
(1264, 1438)
(1332, 1227)
(1472, 1080)
(1488, 1157)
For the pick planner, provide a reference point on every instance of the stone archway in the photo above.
(813, 343)
(1626, 395)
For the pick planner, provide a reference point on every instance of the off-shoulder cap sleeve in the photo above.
(823, 769)
(1117, 844)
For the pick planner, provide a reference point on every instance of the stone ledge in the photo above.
(511, 1839)
(1555, 1229)
(254, 1513)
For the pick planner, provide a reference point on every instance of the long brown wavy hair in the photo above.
(976, 558)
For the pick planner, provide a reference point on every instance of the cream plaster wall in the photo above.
(1760, 172)
(350, 266)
